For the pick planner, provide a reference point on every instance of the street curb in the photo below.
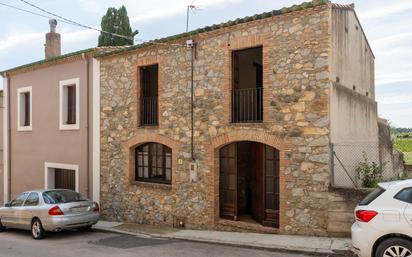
(313, 251)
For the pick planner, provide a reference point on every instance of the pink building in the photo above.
(51, 123)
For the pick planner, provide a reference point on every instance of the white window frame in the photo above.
(49, 173)
(20, 91)
(62, 84)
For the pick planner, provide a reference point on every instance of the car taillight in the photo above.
(365, 215)
(54, 211)
(96, 207)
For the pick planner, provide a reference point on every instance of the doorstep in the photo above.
(307, 244)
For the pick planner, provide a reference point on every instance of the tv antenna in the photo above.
(191, 8)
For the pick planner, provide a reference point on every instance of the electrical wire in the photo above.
(74, 22)
(30, 12)
(71, 22)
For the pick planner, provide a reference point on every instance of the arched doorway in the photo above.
(249, 183)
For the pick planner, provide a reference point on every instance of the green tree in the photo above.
(116, 21)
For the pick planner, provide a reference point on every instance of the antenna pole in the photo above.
(187, 18)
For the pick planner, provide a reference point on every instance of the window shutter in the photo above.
(27, 109)
(71, 105)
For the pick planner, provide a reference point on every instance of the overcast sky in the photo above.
(388, 26)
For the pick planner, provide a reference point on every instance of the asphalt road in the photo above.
(15, 243)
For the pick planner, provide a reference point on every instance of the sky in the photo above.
(387, 24)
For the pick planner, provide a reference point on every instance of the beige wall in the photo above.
(353, 110)
(353, 132)
(1, 147)
(352, 59)
(46, 142)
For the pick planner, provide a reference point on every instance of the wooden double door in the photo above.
(249, 182)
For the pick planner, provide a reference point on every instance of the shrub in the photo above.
(369, 173)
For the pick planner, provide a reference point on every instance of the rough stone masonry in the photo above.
(296, 84)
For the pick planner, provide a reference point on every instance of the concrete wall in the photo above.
(390, 158)
(352, 60)
(353, 132)
(354, 117)
(342, 203)
(46, 142)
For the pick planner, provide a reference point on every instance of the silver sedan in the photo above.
(49, 210)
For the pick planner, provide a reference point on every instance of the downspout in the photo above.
(88, 124)
(9, 140)
(192, 45)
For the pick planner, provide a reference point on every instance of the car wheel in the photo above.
(2, 228)
(394, 247)
(86, 229)
(37, 230)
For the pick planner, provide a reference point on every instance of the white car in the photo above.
(383, 226)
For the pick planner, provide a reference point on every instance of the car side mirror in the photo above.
(7, 204)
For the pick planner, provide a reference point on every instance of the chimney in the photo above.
(52, 48)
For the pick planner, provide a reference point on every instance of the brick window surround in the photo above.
(218, 142)
(147, 137)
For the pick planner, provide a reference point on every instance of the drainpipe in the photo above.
(88, 124)
(192, 45)
(8, 140)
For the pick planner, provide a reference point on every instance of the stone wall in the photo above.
(296, 92)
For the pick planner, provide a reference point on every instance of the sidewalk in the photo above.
(308, 244)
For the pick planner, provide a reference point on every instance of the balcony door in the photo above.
(149, 95)
(247, 92)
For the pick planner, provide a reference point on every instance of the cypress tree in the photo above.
(116, 21)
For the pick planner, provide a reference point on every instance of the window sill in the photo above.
(69, 127)
(152, 184)
(25, 129)
(149, 126)
(246, 122)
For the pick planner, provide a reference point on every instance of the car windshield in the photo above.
(372, 196)
(62, 196)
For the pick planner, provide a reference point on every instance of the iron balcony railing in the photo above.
(148, 111)
(247, 105)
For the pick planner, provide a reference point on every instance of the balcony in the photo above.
(148, 111)
(247, 105)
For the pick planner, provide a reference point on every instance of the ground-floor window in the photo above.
(61, 176)
(153, 163)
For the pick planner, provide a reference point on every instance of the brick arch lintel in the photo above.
(249, 135)
(147, 137)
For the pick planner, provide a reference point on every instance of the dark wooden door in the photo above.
(228, 182)
(271, 188)
(64, 179)
(257, 171)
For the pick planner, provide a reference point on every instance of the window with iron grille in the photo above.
(149, 95)
(247, 91)
(153, 163)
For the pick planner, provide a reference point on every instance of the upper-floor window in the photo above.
(149, 95)
(69, 104)
(247, 80)
(24, 109)
(153, 163)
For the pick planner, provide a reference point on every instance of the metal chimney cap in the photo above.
(53, 24)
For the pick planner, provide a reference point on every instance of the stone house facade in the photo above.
(279, 156)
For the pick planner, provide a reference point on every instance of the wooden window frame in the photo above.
(64, 123)
(49, 173)
(24, 119)
(139, 152)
